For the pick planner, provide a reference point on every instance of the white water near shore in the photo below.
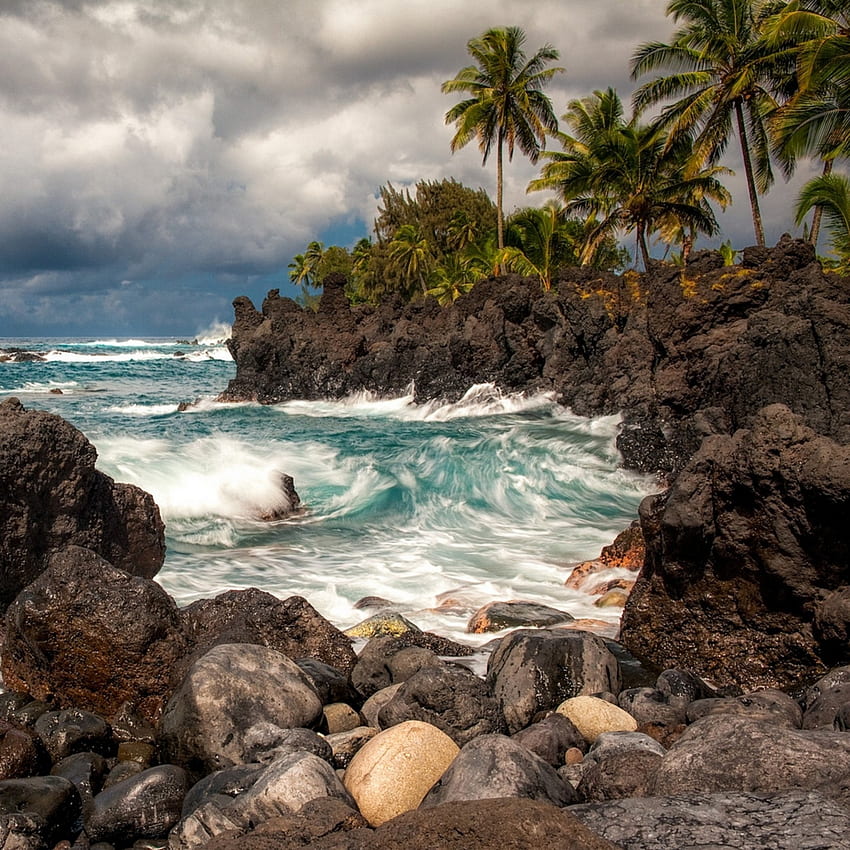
(490, 498)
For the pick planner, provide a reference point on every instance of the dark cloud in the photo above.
(151, 146)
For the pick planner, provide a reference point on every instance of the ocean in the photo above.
(438, 508)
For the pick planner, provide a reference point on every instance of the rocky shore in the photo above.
(248, 721)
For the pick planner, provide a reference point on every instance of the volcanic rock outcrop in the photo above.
(748, 558)
(51, 496)
(681, 353)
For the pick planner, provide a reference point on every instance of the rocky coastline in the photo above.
(247, 721)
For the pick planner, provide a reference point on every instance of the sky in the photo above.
(160, 158)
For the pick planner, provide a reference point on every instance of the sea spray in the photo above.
(438, 507)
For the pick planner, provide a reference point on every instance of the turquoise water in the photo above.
(492, 498)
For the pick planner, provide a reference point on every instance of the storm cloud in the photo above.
(160, 158)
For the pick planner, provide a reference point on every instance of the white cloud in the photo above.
(190, 137)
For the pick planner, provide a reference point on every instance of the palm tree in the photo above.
(451, 279)
(627, 176)
(832, 194)
(506, 105)
(816, 119)
(718, 70)
(542, 242)
(304, 267)
(411, 255)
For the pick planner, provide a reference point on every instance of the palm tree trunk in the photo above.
(748, 170)
(818, 213)
(500, 219)
(644, 249)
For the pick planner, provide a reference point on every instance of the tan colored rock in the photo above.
(593, 716)
(340, 717)
(394, 771)
(615, 598)
(611, 584)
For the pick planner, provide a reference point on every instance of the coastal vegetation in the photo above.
(773, 76)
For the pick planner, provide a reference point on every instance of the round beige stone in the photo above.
(394, 771)
(593, 716)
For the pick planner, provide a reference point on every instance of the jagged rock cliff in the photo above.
(680, 354)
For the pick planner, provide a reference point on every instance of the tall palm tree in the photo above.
(627, 176)
(718, 71)
(816, 118)
(832, 194)
(506, 106)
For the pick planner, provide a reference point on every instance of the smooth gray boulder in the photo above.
(791, 820)
(225, 694)
(495, 766)
(535, 670)
(50, 803)
(769, 706)
(285, 786)
(451, 698)
(147, 805)
(731, 753)
(823, 700)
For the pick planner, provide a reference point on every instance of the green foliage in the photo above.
(728, 253)
(440, 210)
(719, 73)
(832, 194)
(625, 176)
(506, 106)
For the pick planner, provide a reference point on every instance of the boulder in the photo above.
(495, 767)
(286, 785)
(618, 775)
(226, 692)
(532, 671)
(593, 717)
(86, 771)
(649, 705)
(19, 754)
(789, 820)
(495, 616)
(265, 742)
(291, 626)
(741, 550)
(339, 717)
(51, 497)
(823, 700)
(228, 782)
(769, 706)
(147, 805)
(375, 670)
(73, 731)
(383, 624)
(50, 802)
(731, 753)
(550, 738)
(393, 772)
(89, 635)
(451, 698)
(345, 745)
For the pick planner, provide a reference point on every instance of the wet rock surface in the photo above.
(792, 819)
(51, 496)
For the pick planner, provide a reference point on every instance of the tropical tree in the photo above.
(832, 194)
(816, 119)
(411, 256)
(451, 279)
(506, 107)
(718, 72)
(539, 242)
(626, 176)
(304, 268)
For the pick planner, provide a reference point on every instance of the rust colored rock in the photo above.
(91, 636)
(291, 626)
(51, 496)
